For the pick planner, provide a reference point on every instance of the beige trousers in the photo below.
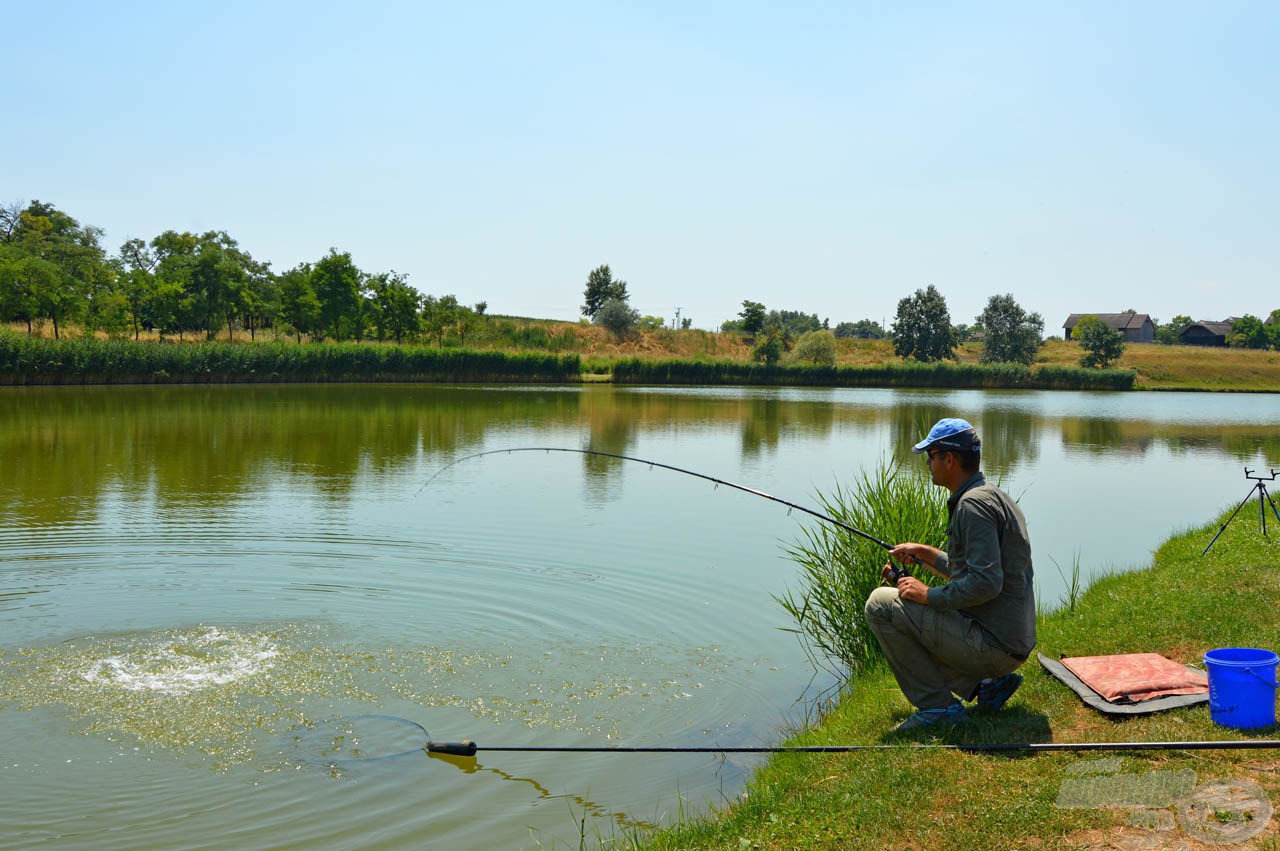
(933, 654)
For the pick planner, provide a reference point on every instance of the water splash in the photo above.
(184, 664)
(230, 693)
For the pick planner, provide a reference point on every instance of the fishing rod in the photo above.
(717, 481)
(469, 748)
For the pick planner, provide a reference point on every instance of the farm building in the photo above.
(1136, 327)
(1207, 333)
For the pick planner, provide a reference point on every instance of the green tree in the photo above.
(259, 297)
(299, 307)
(616, 315)
(22, 280)
(815, 347)
(336, 282)
(1249, 332)
(922, 328)
(1103, 345)
(793, 322)
(439, 315)
(863, 329)
(83, 272)
(396, 306)
(136, 281)
(1170, 333)
(753, 316)
(216, 283)
(1012, 334)
(602, 287)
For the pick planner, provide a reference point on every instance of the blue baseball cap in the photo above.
(950, 433)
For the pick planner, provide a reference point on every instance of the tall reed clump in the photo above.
(839, 570)
(90, 361)
(909, 374)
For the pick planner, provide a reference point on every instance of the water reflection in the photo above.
(64, 449)
(578, 803)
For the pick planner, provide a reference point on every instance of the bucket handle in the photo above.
(1266, 682)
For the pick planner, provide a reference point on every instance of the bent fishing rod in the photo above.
(467, 747)
(753, 491)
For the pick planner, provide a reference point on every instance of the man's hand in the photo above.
(913, 554)
(912, 589)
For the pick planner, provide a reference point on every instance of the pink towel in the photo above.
(1136, 676)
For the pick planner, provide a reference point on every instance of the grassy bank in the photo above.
(1181, 606)
(658, 356)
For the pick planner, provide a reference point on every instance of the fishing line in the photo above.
(717, 481)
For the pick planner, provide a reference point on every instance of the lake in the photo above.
(224, 610)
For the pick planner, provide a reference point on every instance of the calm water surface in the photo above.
(196, 582)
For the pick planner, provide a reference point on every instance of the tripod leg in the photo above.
(1247, 497)
(1272, 503)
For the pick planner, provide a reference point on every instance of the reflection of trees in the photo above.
(1244, 442)
(909, 421)
(209, 446)
(764, 419)
(1098, 436)
(61, 449)
(1009, 437)
(610, 420)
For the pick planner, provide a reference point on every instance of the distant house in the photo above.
(1206, 333)
(1136, 327)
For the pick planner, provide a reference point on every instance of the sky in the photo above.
(830, 158)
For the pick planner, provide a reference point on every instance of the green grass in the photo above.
(1181, 606)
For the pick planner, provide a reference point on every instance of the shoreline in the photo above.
(967, 800)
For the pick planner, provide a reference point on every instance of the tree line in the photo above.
(54, 269)
(922, 330)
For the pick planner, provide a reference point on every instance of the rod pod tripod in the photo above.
(1264, 499)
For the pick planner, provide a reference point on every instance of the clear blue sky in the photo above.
(824, 157)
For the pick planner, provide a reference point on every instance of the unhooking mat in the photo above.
(1126, 679)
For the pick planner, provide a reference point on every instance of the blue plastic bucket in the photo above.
(1242, 687)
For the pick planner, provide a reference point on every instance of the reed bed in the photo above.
(838, 570)
(941, 374)
(90, 361)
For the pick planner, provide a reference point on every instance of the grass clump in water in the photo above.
(839, 570)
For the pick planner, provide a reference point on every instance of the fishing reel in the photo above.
(893, 572)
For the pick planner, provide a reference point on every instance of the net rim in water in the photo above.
(355, 739)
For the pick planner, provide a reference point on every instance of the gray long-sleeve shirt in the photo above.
(988, 565)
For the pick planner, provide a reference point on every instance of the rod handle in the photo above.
(466, 747)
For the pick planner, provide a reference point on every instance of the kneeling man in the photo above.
(962, 640)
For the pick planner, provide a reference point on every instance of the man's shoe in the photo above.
(997, 692)
(953, 714)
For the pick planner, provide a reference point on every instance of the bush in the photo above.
(769, 351)
(616, 315)
(840, 570)
(815, 347)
